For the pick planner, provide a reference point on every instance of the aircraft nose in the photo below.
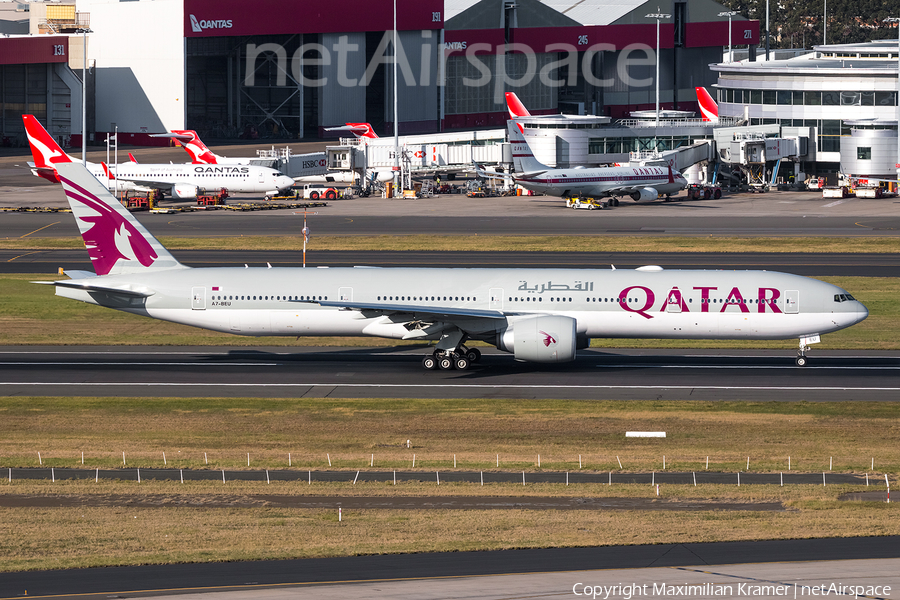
(861, 312)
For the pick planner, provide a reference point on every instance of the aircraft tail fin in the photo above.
(46, 152)
(360, 130)
(132, 158)
(107, 171)
(191, 142)
(115, 240)
(708, 107)
(516, 108)
(523, 158)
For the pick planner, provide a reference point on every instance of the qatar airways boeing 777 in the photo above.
(539, 315)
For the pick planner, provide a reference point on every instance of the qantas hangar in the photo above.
(286, 69)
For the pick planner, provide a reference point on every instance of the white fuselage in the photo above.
(605, 303)
(604, 181)
(234, 178)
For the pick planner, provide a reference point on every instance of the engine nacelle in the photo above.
(184, 191)
(644, 194)
(544, 339)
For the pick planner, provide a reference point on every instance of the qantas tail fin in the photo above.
(523, 159)
(360, 130)
(46, 152)
(200, 154)
(708, 107)
(515, 106)
(516, 109)
(115, 240)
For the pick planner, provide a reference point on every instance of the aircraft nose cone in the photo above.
(861, 312)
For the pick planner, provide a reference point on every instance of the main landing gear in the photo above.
(459, 359)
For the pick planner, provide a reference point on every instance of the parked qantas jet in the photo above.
(538, 315)
(201, 155)
(640, 183)
(181, 181)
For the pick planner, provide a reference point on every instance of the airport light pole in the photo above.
(84, 31)
(729, 14)
(396, 117)
(897, 162)
(657, 15)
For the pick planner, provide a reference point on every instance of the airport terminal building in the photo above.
(846, 94)
(290, 68)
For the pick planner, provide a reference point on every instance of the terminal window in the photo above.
(864, 153)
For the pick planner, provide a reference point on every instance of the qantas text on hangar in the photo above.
(200, 25)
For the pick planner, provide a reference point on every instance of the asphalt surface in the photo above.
(808, 264)
(496, 218)
(397, 372)
(249, 577)
(477, 477)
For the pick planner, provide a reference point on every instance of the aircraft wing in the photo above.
(150, 183)
(419, 312)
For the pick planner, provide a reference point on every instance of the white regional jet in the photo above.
(640, 183)
(539, 315)
(182, 181)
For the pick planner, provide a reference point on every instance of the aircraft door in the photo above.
(262, 176)
(792, 301)
(198, 298)
(345, 294)
(496, 302)
(673, 302)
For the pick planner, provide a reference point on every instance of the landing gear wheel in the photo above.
(615, 201)
(473, 354)
(445, 363)
(430, 363)
(801, 361)
(461, 363)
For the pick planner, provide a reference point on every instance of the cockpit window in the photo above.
(843, 298)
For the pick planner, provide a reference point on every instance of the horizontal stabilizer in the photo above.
(88, 287)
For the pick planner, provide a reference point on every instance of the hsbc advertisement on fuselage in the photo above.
(213, 18)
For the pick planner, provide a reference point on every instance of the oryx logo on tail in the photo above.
(107, 235)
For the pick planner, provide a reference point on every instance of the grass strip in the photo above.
(94, 535)
(602, 242)
(218, 433)
(32, 314)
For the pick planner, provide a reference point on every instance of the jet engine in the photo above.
(644, 194)
(184, 191)
(544, 339)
